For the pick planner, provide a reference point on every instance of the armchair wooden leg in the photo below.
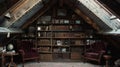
(23, 65)
(84, 59)
(38, 59)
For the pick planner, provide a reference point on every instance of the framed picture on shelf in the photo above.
(63, 50)
(31, 29)
(44, 22)
(59, 42)
(77, 21)
(56, 21)
(61, 21)
(39, 34)
(61, 12)
(45, 19)
(66, 21)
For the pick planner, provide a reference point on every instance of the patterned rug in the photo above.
(59, 64)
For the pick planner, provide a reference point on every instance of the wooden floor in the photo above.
(59, 64)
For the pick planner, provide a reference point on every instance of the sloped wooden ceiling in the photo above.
(39, 13)
(107, 17)
(78, 7)
(81, 13)
(90, 17)
(6, 4)
(113, 5)
(61, 2)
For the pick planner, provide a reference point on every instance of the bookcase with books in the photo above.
(61, 38)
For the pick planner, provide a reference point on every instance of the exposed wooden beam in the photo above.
(77, 10)
(38, 14)
(61, 3)
(118, 1)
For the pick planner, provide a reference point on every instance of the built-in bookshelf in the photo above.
(60, 36)
(60, 39)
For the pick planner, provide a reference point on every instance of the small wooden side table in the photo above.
(12, 63)
(1, 58)
(107, 58)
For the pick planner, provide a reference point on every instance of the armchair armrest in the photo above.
(35, 49)
(89, 50)
(102, 51)
(22, 52)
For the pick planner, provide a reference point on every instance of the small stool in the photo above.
(107, 58)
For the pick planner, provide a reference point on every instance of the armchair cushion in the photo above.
(93, 55)
(27, 50)
(95, 51)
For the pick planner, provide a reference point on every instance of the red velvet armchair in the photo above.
(27, 51)
(95, 52)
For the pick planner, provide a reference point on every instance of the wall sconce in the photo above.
(112, 17)
(8, 15)
(8, 34)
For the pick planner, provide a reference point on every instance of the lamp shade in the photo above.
(10, 47)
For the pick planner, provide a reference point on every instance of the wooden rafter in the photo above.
(61, 3)
(38, 14)
(76, 9)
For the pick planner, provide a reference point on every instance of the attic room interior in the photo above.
(67, 33)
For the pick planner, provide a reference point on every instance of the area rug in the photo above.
(59, 64)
